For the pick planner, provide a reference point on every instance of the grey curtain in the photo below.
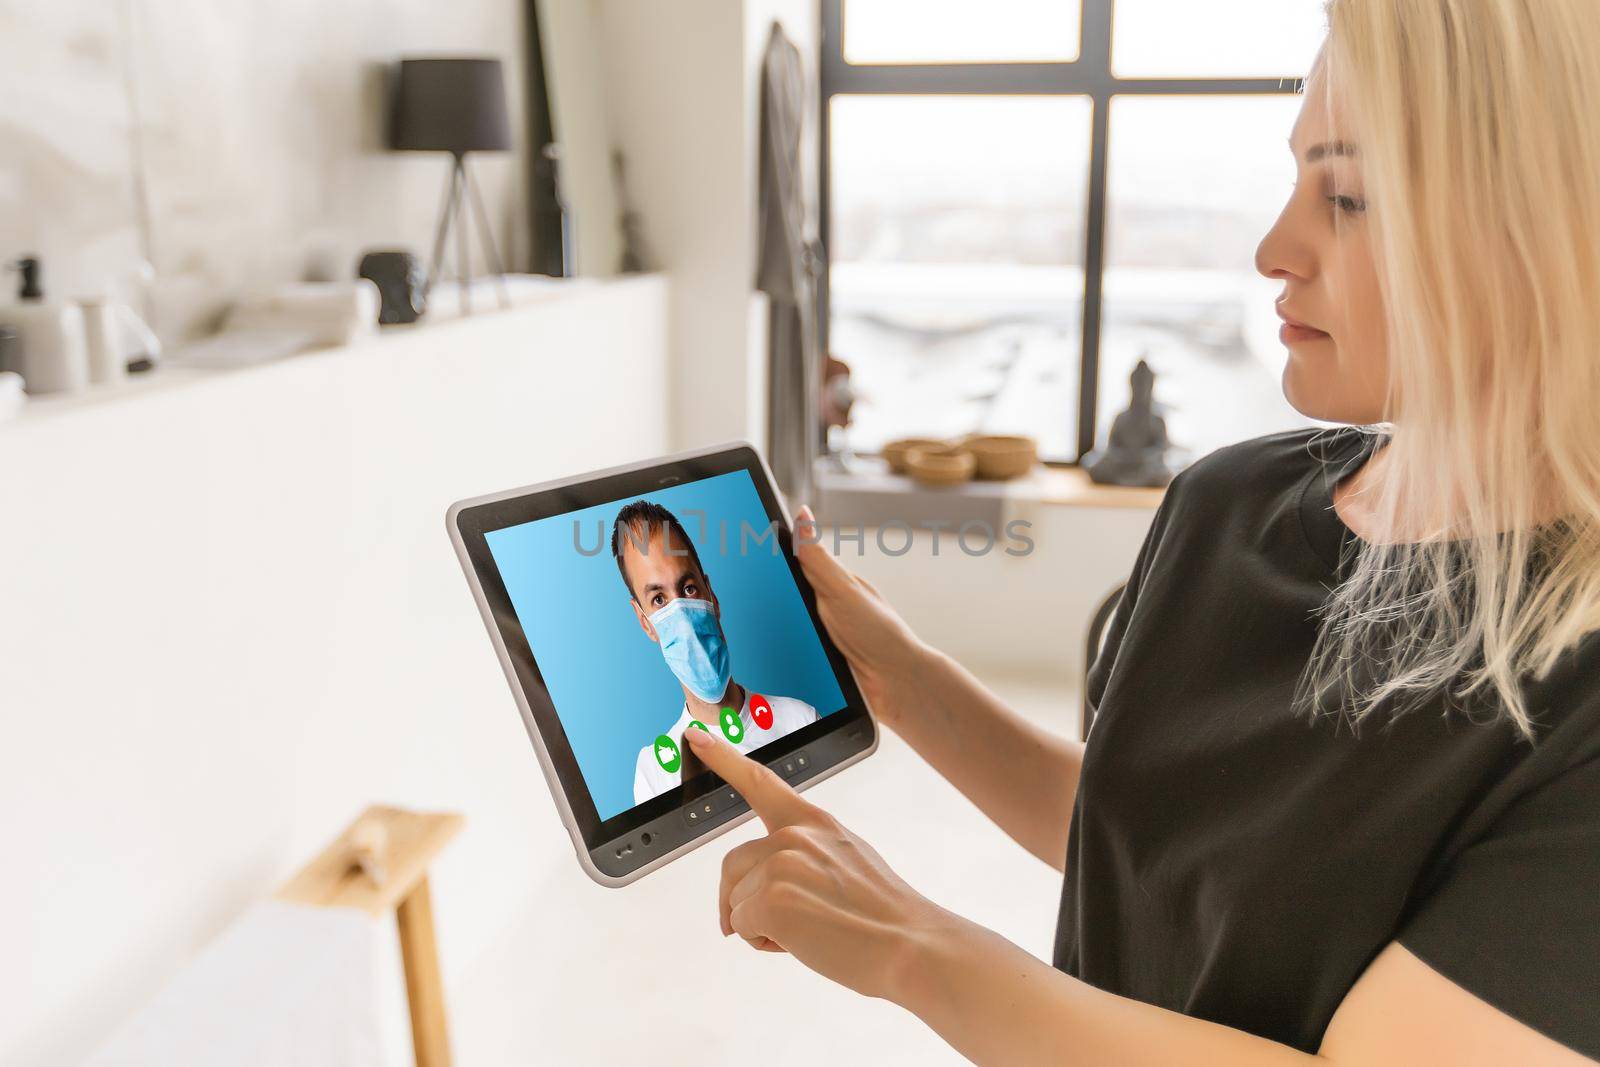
(786, 265)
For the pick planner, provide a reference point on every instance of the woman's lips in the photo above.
(1294, 330)
(1289, 333)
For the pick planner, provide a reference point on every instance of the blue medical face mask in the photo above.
(693, 646)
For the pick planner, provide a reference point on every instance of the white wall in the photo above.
(1023, 616)
(674, 76)
(230, 619)
(575, 77)
(258, 130)
(683, 91)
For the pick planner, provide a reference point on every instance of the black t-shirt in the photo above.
(1236, 861)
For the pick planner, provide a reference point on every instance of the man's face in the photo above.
(660, 574)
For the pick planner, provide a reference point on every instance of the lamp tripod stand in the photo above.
(461, 196)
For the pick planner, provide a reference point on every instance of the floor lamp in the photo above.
(455, 105)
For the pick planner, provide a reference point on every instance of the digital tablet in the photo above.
(632, 604)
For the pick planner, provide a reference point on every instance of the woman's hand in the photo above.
(882, 650)
(811, 887)
(1020, 774)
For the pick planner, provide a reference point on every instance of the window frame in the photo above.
(1090, 75)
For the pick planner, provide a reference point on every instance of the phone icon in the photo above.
(761, 711)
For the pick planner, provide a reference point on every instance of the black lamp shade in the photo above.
(455, 105)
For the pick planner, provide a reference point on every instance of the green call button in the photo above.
(732, 725)
(667, 754)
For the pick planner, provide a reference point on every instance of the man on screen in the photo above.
(672, 598)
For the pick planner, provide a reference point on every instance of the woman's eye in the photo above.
(1350, 205)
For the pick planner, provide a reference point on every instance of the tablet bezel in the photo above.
(606, 847)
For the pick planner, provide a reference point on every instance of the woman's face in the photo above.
(1320, 248)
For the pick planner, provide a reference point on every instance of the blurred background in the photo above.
(284, 281)
(958, 175)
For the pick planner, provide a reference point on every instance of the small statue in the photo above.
(1137, 450)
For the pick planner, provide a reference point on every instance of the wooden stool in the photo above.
(380, 864)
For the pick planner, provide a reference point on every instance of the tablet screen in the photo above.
(658, 613)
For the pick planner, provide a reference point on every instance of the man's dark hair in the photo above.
(641, 517)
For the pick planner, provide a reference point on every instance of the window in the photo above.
(960, 271)
(945, 31)
(1213, 39)
(1023, 198)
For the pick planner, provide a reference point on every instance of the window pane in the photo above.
(1194, 182)
(1216, 38)
(956, 254)
(960, 31)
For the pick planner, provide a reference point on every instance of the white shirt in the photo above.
(788, 715)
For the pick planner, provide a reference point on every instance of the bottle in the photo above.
(102, 330)
(55, 356)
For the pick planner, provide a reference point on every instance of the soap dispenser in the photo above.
(55, 357)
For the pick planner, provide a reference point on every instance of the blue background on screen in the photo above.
(610, 686)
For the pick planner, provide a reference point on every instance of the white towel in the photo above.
(11, 395)
(284, 984)
(335, 313)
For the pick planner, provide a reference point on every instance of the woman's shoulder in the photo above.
(1243, 491)
(1260, 467)
(1565, 697)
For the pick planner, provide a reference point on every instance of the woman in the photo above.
(1341, 799)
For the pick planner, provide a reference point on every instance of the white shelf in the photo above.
(444, 325)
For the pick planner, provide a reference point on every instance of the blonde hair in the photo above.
(1480, 154)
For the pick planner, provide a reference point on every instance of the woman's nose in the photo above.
(1281, 254)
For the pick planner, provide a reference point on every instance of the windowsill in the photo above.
(868, 494)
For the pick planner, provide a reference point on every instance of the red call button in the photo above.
(761, 711)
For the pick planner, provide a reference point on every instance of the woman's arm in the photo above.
(813, 889)
(1021, 776)
(994, 1003)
